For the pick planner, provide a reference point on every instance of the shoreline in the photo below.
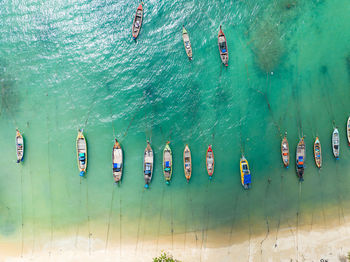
(292, 244)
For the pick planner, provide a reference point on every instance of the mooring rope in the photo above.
(109, 217)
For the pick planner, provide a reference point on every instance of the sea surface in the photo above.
(66, 65)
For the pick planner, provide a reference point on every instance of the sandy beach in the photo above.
(287, 244)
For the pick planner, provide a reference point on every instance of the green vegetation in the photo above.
(165, 258)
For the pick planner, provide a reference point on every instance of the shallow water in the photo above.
(66, 65)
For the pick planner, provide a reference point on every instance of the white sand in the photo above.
(329, 244)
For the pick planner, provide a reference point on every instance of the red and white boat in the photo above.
(136, 25)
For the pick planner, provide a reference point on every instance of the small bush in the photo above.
(165, 258)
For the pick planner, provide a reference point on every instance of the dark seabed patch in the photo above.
(347, 61)
(9, 96)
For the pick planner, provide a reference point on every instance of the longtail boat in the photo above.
(19, 146)
(137, 23)
(187, 163)
(210, 162)
(81, 152)
(348, 130)
(246, 178)
(300, 159)
(318, 153)
(222, 43)
(187, 43)
(285, 151)
(167, 163)
(148, 164)
(335, 143)
(117, 159)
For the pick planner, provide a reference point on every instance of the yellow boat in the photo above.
(246, 178)
(318, 153)
(81, 152)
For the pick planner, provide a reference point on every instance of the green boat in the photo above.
(167, 163)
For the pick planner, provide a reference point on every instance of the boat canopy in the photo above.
(247, 179)
(223, 47)
(148, 169)
(300, 160)
(81, 156)
(117, 167)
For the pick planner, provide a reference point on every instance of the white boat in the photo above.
(117, 157)
(187, 163)
(19, 146)
(335, 143)
(167, 163)
(285, 151)
(148, 165)
(81, 152)
(348, 130)
(187, 43)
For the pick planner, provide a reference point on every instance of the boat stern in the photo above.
(247, 186)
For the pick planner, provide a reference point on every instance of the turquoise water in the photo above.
(66, 65)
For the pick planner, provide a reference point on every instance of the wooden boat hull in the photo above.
(187, 43)
(222, 44)
(348, 130)
(167, 163)
(285, 151)
(300, 159)
(117, 161)
(210, 161)
(187, 163)
(19, 146)
(318, 153)
(81, 147)
(335, 143)
(137, 23)
(148, 160)
(246, 179)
